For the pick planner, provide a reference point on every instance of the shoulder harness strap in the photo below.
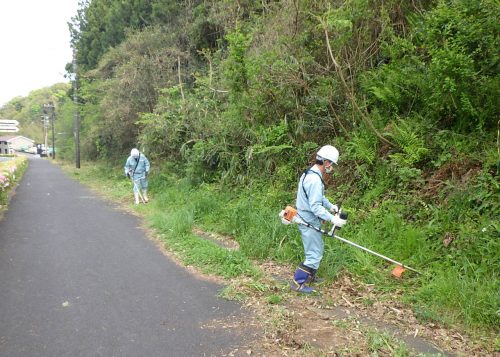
(305, 174)
(137, 161)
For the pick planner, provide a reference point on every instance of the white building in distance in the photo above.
(10, 144)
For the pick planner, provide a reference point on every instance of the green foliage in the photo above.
(129, 79)
(28, 110)
(11, 172)
(274, 147)
(474, 295)
(385, 343)
(176, 224)
(274, 299)
(102, 24)
(236, 68)
(412, 146)
(448, 70)
(362, 147)
(462, 41)
(203, 160)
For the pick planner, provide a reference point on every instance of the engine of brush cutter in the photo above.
(289, 215)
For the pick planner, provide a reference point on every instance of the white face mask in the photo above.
(329, 169)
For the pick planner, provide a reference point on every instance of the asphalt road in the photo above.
(79, 278)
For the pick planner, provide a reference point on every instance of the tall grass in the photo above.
(173, 214)
(450, 296)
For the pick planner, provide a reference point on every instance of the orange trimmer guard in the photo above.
(398, 271)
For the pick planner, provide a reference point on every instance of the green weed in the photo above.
(343, 324)
(231, 292)
(384, 343)
(274, 299)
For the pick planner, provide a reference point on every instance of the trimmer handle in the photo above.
(342, 215)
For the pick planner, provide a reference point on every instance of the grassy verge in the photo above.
(456, 288)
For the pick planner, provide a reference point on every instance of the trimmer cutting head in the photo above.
(398, 271)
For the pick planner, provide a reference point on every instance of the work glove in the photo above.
(338, 221)
(334, 209)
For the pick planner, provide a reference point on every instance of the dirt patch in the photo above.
(459, 172)
(328, 332)
(227, 242)
(341, 319)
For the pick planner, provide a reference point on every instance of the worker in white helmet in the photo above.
(313, 207)
(137, 169)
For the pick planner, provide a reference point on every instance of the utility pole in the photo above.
(49, 110)
(45, 133)
(53, 112)
(77, 111)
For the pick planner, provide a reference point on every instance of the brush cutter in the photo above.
(136, 187)
(289, 215)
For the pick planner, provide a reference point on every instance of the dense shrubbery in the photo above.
(203, 89)
(10, 172)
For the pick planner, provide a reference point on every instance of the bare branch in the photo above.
(349, 91)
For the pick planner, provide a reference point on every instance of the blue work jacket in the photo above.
(312, 205)
(137, 169)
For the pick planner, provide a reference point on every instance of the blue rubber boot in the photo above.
(302, 276)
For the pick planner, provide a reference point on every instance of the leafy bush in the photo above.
(447, 71)
(11, 171)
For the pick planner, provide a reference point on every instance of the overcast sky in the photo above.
(34, 44)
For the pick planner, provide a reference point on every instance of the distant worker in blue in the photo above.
(313, 207)
(137, 169)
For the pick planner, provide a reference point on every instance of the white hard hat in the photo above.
(328, 152)
(134, 152)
